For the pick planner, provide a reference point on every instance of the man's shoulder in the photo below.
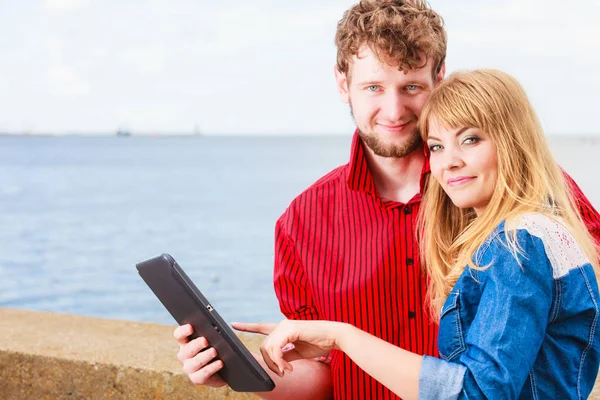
(333, 177)
(333, 181)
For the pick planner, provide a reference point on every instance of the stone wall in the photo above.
(46, 355)
(57, 356)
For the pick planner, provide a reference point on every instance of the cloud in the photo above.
(533, 27)
(66, 82)
(147, 61)
(3, 82)
(247, 28)
(55, 49)
(66, 5)
(63, 80)
(263, 66)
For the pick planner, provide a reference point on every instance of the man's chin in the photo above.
(395, 152)
(391, 148)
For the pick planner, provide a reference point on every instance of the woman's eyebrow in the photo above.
(461, 130)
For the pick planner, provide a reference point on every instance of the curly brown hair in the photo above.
(406, 33)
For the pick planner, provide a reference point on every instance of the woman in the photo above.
(511, 265)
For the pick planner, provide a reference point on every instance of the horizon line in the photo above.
(217, 134)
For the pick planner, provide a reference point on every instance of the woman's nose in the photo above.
(452, 160)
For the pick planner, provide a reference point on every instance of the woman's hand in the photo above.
(292, 340)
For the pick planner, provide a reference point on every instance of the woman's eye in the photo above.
(434, 147)
(471, 140)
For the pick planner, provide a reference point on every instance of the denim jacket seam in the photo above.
(533, 385)
(558, 297)
(592, 331)
(459, 333)
(442, 356)
(444, 311)
(458, 330)
(455, 352)
(483, 249)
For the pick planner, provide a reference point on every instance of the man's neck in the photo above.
(396, 179)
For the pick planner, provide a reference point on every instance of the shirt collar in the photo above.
(359, 176)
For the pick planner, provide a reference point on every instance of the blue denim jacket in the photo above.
(526, 327)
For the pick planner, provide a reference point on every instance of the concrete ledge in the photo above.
(46, 355)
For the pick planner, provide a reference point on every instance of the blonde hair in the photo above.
(529, 179)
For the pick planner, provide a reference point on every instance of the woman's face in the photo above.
(465, 162)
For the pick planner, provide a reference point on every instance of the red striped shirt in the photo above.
(344, 254)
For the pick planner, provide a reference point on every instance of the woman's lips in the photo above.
(461, 180)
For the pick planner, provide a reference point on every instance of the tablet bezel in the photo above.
(187, 305)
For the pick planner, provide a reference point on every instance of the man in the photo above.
(346, 247)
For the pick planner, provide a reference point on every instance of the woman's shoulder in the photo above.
(536, 224)
(536, 232)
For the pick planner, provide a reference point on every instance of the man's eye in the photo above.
(373, 88)
(412, 87)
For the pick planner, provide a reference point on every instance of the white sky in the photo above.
(261, 66)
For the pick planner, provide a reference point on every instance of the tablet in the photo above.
(187, 305)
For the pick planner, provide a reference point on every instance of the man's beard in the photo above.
(410, 144)
(399, 150)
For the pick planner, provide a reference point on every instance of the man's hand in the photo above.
(198, 358)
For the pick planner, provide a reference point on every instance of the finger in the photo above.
(274, 352)
(192, 348)
(284, 346)
(294, 353)
(272, 366)
(255, 327)
(275, 345)
(182, 333)
(276, 355)
(286, 365)
(199, 361)
(206, 375)
(290, 354)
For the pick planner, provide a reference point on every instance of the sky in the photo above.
(261, 66)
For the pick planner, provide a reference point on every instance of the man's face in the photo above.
(386, 103)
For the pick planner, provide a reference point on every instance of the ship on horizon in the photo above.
(123, 132)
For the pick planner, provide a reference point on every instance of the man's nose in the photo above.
(394, 107)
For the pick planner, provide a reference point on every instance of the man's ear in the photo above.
(441, 74)
(341, 81)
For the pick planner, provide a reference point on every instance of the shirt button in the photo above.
(409, 261)
(407, 210)
(412, 314)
